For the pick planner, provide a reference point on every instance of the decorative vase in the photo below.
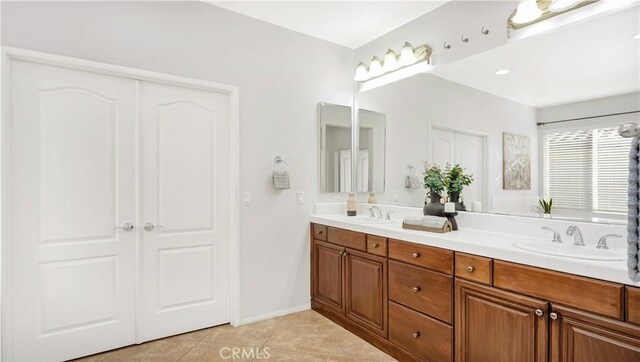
(434, 207)
(455, 197)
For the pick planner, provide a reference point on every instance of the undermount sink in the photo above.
(571, 251)
(367, 220)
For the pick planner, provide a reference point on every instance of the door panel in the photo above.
(328, 273)
(366, 286)
(469, 152)
(442, 147)
(184, 179)
(492, 325)
(73, 182)
(586, 337)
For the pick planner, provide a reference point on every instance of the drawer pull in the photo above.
(539, 312)
(415, 289)
(415, 255)
(320, 232)
(553, 316)
(416, 334)
(375, 245)
(470, 269)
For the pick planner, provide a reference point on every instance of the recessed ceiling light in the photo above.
(637, 36)
(503, 72)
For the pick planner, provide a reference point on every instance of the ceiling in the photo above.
(347, 23)
(593, 59)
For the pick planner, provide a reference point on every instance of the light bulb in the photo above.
(375, 68)
(407, 55)
(561, 5)
(527, 11)
(390, 61)
(361, 72)
(503, 72)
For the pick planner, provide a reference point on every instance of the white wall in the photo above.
(282, 77)
(413, 104)
(594, 107)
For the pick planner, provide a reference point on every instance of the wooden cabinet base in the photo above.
(377, 341)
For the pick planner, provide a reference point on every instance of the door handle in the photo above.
(126, 227)
(150, 227)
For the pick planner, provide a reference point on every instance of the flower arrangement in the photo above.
(433, 179)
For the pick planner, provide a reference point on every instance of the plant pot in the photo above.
(434, 207)
(455, 197)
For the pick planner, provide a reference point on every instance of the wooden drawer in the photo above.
(377, 245)
(421, 255)
(633, 305)
(593, 295)
(350, 239)
(320, 232)
(423, 336)
(423, 290)
(476, 268)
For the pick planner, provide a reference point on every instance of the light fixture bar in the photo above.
(402, 73)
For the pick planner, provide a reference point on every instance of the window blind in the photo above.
(586, 169)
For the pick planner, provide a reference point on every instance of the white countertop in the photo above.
(489, 244)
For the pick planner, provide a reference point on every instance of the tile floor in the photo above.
(303, 336)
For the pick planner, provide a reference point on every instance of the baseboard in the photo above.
(277, 313)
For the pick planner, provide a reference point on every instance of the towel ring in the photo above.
(278, 160)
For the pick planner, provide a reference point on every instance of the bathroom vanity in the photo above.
(431, 298)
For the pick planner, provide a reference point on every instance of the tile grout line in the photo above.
(197, 343)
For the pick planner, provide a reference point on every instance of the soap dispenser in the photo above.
(352, 206)
(372, 198)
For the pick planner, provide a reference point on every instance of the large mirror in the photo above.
(337, 162)
(525, 126)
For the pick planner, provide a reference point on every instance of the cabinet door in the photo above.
(366, 290)
(493, 325)
(328, 275)
(584, 337)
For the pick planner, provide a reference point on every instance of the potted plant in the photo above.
(545, 206)
(434, 182)
(454, 181)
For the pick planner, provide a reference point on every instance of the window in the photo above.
(586, 169)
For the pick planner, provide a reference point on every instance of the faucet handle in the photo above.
(602, 242)
(389, 214)
(556, 235)
(371, 213)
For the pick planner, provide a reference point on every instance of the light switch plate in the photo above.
(300, 197)
(246, 200)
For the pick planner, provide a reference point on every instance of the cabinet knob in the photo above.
(553, 316)
(416, 334)
(375, 245)
(539, 312)
(415, 289)
(320, 232)
(470, 269)
(415, 255)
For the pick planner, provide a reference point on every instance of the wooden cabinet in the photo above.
(402, 297)
(350, 283)
(328, 275)
(366, 290)
(585, 337)
(493, 325)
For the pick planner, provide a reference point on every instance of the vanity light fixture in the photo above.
(503, 72)
(411, 61)
(375, 67)
(533, 11)
(526, 12)
(390, 61)
(362, 73)
(561, 5)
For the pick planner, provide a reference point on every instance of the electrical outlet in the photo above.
(300, 197)
(247, 201)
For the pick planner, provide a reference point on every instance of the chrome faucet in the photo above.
(556, 235)
(602, 243)
(577, 235)
(372, 213)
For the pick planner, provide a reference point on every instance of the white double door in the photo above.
(91, 153)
